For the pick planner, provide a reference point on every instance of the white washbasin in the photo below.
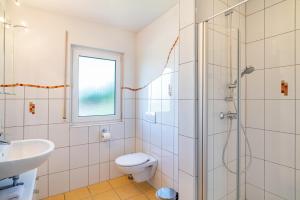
(23, 155)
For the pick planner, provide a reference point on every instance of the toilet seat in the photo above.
(133, 159)
(140, 166)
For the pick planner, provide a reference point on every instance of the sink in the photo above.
(23, 155)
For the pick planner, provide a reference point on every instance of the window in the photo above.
(96, 85)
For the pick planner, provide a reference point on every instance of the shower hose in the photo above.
(229, 131)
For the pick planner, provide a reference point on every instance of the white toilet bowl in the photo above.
(141, 166)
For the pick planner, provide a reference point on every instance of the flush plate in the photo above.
(150, 117)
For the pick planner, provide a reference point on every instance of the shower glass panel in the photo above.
(223, 88)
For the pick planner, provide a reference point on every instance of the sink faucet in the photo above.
(3, 141)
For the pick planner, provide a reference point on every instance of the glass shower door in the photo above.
(222, 89)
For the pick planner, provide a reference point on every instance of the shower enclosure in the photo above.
(247, 111)
(222, 62)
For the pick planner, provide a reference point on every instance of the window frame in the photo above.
(78, 51)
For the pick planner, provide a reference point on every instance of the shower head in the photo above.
(247, 70)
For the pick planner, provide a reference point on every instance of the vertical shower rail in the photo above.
(202, 112)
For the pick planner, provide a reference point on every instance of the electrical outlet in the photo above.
(32, 108)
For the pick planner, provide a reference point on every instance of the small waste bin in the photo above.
(166, 194)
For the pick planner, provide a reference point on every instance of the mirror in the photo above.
(2, 63)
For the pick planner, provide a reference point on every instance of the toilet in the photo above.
(141, 166)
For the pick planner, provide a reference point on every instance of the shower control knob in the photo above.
(228, 115)
(222, 115)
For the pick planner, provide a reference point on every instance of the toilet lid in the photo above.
(133, 159)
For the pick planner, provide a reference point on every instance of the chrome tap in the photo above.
(3, 141)
(228, 115)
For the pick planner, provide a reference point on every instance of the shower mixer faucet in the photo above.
(228, 115)
(3, 141)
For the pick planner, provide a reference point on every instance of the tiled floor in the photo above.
(116, 189)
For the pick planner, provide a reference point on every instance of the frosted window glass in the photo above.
(97, 87)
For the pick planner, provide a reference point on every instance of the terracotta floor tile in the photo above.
(109, 195)
(77, 194)
(56, 197)
(139, 197)
(144, 186)
(151, 194)
(120, 181)
(115, 189)
(127, 191)
(99, 188)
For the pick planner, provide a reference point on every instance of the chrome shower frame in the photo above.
(203, 107)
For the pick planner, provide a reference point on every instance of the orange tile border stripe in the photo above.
(167, 61)
(63, 86)
(32, 85)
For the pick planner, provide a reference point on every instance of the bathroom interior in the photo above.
(134, 100)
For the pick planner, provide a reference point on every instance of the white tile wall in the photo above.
(280, 115)
(187, 104)
(41, 115)
(79, 136)
(56, 111)
(254, 6)
(187, 155)
(58, 161)
(255, 114)
(187, 185)
(168, 136)
(79, 178)
(59, 183)
(104, 152)
(273, 78)
(187, 81)
(255, 85)
(280, 18)
(94, 153)
(43, 186)
(36, 132)
(156, 135)
(280, 148)
(117, 149)
(274, 117)
(14, 110)
(118, 130)
(255, 173)
(254, 193)
(114, 172)
(297, 47)
(280, 180)
(219, 47)
(14, 133)
(94, 174)
(79, 158)
(94, 134)
(255, 54)
(256, 138)
(220, 182)
(160, 139)
(280, 50)
(59, 134)
(255, 26)
(187, 44)
(104, 171)
(187, 118)
(297, 184)
(187, 16)
(36, 93)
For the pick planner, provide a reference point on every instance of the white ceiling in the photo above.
(128, 14)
